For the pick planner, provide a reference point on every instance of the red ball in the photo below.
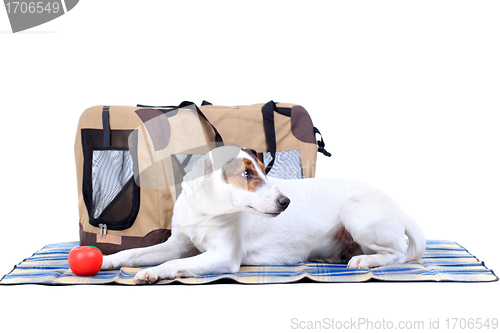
(85, 260)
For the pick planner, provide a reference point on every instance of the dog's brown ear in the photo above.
(254, 152)
(251, 152)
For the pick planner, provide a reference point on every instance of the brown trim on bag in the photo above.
(302, 126)
(157, 125)
(127, 242)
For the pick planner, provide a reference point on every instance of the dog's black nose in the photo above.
(284, 202)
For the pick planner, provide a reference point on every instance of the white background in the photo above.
(406, 95)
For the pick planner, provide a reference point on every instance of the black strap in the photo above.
(268, 118)
(205, 103)
(321, 144)
(284, 111)
(186, 103)
(186, 161)
(106, 141)
(218, 137)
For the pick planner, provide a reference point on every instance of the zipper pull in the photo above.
(103, 230)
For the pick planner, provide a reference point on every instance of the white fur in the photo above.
(215, 231)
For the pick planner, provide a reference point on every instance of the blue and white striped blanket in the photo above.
(442, 261)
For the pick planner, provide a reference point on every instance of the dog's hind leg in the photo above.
(177, 246)
(384, 256)
(377, 227)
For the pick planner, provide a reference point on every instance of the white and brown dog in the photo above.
(222, 220)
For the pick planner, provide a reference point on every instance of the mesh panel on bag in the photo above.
(287, 164)
(112, 171)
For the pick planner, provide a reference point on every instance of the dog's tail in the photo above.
(416, 237)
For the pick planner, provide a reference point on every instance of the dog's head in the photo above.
(230, 179)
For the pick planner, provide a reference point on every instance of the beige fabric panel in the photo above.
(229, 119)
(308, 155)
(186, 121)
(152, 214)
(127, 119)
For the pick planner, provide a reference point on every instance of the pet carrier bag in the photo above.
(130, 164)
(131, 161)
(283, 134)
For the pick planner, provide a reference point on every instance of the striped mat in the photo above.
(442, 261)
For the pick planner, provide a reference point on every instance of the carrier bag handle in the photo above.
(218, 137)
(268, 117)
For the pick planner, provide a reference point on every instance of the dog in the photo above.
(230, 214)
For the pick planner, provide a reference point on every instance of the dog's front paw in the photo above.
(107, 263)
(114, 261)
(146, 276)
(360, 262)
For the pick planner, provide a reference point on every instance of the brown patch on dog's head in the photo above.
(255, 156)
(242, 174)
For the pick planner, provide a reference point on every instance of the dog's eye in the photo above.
(248, 173)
